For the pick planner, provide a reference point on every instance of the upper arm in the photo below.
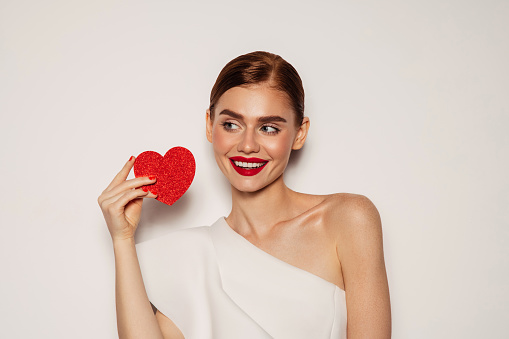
(168, 327)
(360, 251)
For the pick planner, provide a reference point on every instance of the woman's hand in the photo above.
(121, 202)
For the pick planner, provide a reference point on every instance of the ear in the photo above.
(208, 122)
(302, 134)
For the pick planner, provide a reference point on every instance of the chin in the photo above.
(251, 186)
(244, 187)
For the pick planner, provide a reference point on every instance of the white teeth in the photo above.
(248, 164)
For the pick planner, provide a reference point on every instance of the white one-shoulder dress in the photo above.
(213, 283)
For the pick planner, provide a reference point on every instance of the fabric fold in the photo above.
(213, 283)
(286, 301)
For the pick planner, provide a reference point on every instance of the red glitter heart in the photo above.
(174, 172)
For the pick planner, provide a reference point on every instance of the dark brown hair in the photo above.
(257, 68)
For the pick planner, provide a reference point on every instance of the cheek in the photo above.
(221, 141)
(280, 148)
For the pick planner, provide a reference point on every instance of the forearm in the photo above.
(135, 317)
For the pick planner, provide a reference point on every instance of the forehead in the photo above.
(256, 101)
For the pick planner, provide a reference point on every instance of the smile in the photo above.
(247, 166)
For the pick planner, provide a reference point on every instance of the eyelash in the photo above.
(227, 123)
(277, 130)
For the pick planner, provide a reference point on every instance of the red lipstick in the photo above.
(248, 171)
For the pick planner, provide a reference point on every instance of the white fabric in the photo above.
(213, 283)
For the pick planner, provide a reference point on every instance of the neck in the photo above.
(254, 213)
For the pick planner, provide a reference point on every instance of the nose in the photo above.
(248, 143)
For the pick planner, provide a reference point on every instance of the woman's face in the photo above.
(253, 133)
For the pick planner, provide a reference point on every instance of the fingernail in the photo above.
(152, 177)
(145, 189)
(131, 158)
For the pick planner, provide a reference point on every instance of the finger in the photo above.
(125, 198)
(129, 184)
(122, 175)
(116, 203)
(125, 186)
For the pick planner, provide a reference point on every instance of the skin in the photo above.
(337, 237)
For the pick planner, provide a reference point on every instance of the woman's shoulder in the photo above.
(341, 205)
(355, 225)
(350, 203)
(340, 212)
(347, 212)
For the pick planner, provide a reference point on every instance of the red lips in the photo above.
(248, 171)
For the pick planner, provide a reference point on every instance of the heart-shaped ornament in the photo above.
(174, 172)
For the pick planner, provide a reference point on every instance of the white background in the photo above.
(408, 106)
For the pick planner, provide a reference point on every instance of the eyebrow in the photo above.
(267, 118)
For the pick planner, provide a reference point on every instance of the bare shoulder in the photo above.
(353, 221)
(345, 213)
(358, 232)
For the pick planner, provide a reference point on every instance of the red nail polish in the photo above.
(151, 177)
(131, 158)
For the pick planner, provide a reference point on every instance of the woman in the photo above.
(283, 264)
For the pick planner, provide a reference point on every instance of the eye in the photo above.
(270, 129)
(230, 126)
